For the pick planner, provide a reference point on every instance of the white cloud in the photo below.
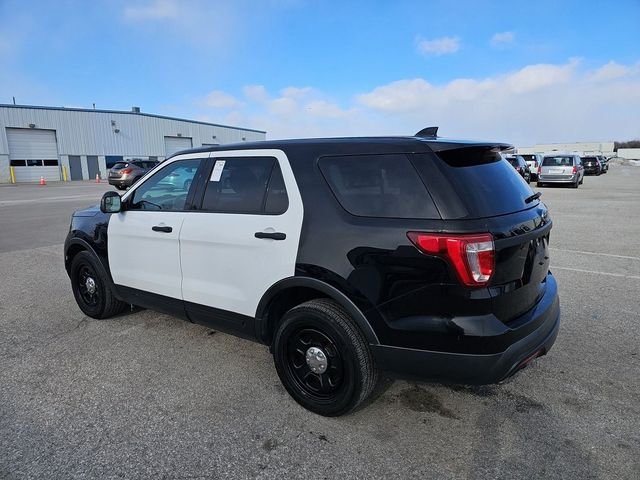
(503, 39)
(438, 46)
(155, 10)
(536, 104)
(611, 71)
(256, 93)
(219, 99)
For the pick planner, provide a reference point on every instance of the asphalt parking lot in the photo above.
(144, 395)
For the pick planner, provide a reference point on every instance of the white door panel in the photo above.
(224, 265)
(142, 258)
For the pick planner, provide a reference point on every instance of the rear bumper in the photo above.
(120, 182)
(479, 369)
(558, 178)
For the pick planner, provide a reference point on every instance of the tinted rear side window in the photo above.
(472, 183)
(239, 185)
(378, 186)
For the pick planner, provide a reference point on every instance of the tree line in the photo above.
(629, 144)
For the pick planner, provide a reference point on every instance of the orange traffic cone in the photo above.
(97, 178)
(42, 181)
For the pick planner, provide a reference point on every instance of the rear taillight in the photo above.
(472, 256)
(539, 170)
(574, 169)
(126, 170)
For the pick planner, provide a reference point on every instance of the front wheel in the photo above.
(323, 359)
(92, 288)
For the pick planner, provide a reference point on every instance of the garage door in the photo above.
(175, 144)
(33, 154)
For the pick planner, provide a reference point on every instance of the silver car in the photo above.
(561, 168)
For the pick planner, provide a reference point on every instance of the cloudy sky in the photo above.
(522, 72)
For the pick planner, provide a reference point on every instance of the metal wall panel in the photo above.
(102, 133)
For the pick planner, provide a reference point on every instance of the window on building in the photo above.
(18, 163)
(50, 163)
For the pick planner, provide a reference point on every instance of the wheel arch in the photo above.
(76, 245)
(292, 291)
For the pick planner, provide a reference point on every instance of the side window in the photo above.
(167, 189)
(239, 185)
(378, 186)
(277, 200)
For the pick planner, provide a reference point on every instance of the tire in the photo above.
(349, 374)
(539, 184)
(582, 180)
(575, 184)
(102, 303)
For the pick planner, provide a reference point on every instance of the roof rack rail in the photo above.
(428, 132)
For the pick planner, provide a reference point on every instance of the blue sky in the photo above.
(517, 71)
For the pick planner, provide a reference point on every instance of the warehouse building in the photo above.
(76, 143)
(605, 148)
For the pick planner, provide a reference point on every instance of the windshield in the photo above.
(557, 162)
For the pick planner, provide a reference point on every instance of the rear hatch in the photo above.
(557, 166)
(476, 191)
(590, 162)
(115, 171)
(531, 161)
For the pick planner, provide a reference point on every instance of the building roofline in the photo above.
(152, 115)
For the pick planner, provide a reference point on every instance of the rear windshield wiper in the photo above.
(533, 197)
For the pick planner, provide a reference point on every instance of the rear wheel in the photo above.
(539, 184)
(575, 184)
(92, 288)
(323, 359)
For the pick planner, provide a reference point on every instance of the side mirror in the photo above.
(110, 203)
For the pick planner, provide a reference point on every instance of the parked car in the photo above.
(592, 165)
(346, 257)
(518, 162)
(604, 162)
(534, 160)
(564, 169)
(125, 174)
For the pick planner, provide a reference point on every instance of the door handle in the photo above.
(162, 228)
(272, 235)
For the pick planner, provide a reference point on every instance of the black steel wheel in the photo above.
(323, 359)
(92, 287)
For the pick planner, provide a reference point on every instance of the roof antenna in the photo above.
(428, 132)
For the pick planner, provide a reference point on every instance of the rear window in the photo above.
(512, 161)
(120, 165)
(529, 158)
(473, 182)
(378, 186)
(557, 161)
(588, 159)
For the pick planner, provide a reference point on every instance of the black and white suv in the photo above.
(422, 257)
